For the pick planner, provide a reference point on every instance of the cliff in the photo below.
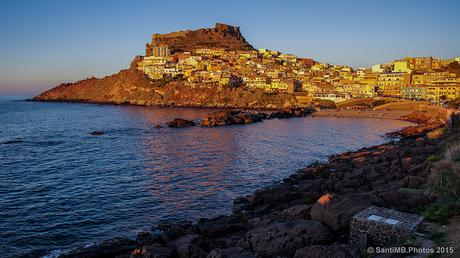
(221, 36)
(131, 86)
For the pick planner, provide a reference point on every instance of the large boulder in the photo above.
(232, 252)
(408, 200)
(337, 211)
(189, 246)
(219, 226)
(284, 238)
(322, 251)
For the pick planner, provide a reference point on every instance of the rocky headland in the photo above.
(131, 86)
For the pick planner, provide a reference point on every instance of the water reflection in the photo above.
(61, 187)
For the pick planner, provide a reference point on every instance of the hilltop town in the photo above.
(217, 67)
(420, 78)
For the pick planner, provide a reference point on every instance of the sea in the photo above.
(62, 188)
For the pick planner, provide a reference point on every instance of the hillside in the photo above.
(131, 86)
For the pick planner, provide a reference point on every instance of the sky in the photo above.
(44, 43)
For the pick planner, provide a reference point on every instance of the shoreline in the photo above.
(379, 114)
(280, 203)
(214, 107)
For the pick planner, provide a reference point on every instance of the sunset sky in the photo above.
(43, 43)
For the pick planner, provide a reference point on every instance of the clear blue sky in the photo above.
(43, 43)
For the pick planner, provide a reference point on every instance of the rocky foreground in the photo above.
(308, 214)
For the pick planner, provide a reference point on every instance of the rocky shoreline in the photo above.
(287, 220)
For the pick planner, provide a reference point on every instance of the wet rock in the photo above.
(232, 252)
(158, 126)
(322, 251)
(284, 238)
(336, 211)
(179, 123)
(96, 133)
(107, 249)
(189, 246)
(226, 117)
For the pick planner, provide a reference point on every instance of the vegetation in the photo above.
(445, 182)
(326, 104)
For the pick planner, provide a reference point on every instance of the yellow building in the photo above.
(390, 84)
(436, 92)
(401, 67)
(418, 79)
(417, 92)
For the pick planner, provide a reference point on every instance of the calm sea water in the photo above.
(61, 187)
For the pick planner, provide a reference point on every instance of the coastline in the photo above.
(291, 201)
(382, 114)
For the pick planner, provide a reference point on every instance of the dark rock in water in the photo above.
(97, 133)
(158, 126)
(284, 238)
(107, 249)
(189, 246)
(322, 251)
(227, 117)
(337, 211)
(232, 252)
(179, 123)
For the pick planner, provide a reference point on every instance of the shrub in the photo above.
(437, 212)
(445, 175)
(445, 182)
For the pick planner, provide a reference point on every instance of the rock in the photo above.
(334, 251)
(415, 181)
(226, 117)
(179, 123)
(153, 251)
(300, 211)
(158, 126)
(219, 226)
(146, 238)
(106, 249)
(189, 246)
(408, 200)
(232, 252)
(336, 211)
(284, 238)
(96, 133)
